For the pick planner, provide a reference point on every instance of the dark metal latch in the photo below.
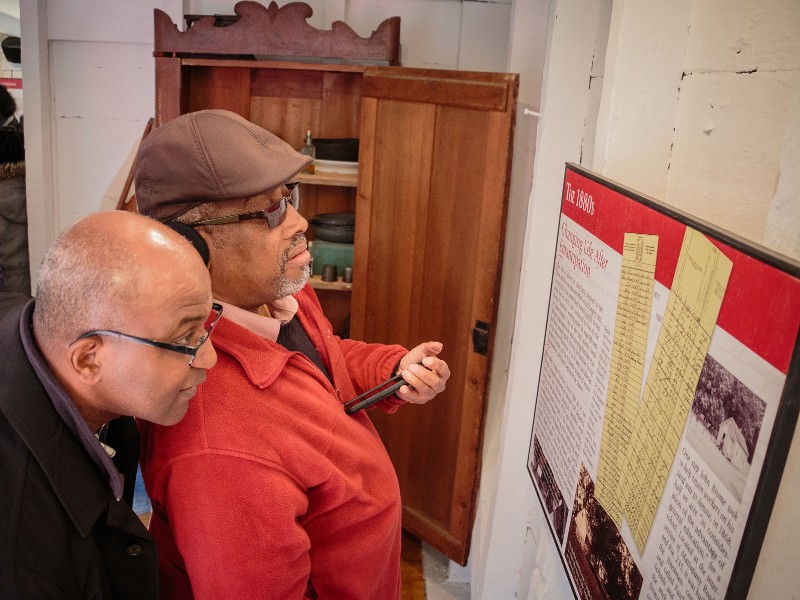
(480, 338)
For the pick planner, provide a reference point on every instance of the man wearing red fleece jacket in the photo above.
(268, 489)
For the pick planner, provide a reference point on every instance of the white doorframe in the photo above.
(42, 217)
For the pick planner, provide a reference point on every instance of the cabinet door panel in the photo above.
(227, 89)
(431, 214)
(288, 102)
(397, 223)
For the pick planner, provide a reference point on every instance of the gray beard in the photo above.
(286, 286)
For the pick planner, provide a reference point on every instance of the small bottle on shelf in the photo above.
(309, 150)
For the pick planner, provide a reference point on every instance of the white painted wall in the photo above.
(436, 34)
(89, 89)
(528, 41)
(89, 78)
(512, 549)
(677, 121)
(9, 17)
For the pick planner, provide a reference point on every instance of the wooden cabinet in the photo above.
(430, 200)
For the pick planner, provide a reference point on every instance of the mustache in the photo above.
(297, 239)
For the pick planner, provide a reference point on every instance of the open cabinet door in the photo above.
(434, 170)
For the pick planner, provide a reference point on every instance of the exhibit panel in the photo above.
(667, 398)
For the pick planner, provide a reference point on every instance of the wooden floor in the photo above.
(411, 568)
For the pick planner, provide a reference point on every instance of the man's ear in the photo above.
(86, 358)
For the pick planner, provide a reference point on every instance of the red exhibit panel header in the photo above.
(757, 291)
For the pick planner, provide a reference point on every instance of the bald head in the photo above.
(105, 268)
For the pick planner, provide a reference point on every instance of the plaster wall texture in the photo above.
(115, 21)
(643, 68)
(483, 38)
(737, 104)
(9, 24)
(665, 64)
(726, 156)
(783, 222)
(701, 100)
(94, 131)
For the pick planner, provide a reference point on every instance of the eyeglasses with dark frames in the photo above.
(192, 351)
(275, 213)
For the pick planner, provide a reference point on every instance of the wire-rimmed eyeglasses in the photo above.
(275, 213)
(192, 351)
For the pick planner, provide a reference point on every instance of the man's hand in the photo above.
(424, 382)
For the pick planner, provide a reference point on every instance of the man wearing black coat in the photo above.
(117, 330)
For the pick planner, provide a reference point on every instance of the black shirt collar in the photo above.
(65, 408)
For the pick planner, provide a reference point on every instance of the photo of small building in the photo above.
(723, 425)
(731, 442)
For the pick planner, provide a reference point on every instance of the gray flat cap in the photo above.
(208, 156)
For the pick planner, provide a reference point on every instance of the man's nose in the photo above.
(295, 222)
(206, 356)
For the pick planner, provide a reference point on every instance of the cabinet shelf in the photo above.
(334, 179)
(338, 285)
